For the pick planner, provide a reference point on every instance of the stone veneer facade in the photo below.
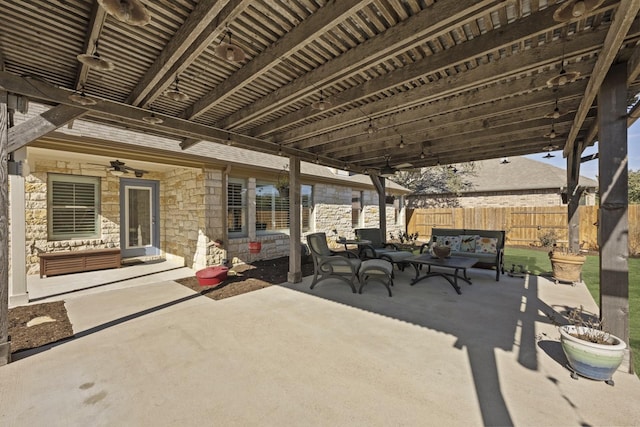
(191, 209)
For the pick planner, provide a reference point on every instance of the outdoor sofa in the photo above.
(485, 245)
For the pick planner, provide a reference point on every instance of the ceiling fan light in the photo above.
(153, 119)
(176, 95)
(572, 9)
(82, 99)
(117, 172)
(578, 9)
(131, 12)
(321, 105)
(95, 62)
(563, 78)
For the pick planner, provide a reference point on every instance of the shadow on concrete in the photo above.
(488, 316)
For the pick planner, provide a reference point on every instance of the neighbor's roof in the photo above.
(519, 174)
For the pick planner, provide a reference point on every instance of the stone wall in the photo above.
(36, 233)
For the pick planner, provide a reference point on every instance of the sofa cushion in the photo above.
(452, 241)
(487, 245)
(468, 243)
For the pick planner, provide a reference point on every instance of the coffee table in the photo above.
(456, 264)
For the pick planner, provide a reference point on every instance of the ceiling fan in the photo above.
(118, 168)
(387, 170)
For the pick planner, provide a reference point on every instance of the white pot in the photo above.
(591, 360)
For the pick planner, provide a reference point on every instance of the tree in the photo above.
(634, 186)
(447, 181)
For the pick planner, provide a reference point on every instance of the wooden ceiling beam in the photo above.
(38, 126)
(171, 126)
(311, 28)
(504, 98)
(476, 79)
(96, 23)
(407, 34)
(181, 44)
(541, 56)
(624, 17)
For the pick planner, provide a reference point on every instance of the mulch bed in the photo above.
(56, 326)
(245, 278)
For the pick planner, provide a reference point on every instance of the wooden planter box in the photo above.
(54, 263)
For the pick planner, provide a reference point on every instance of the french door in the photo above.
(139, 222)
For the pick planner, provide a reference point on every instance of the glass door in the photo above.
(139, 229)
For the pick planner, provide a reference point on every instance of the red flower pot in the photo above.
(255, 247)
(212, 276)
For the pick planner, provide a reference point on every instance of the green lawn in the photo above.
(537, 262)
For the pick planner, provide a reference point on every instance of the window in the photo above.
(272, 209)
(356, 208)
(236, 207)
(73, 207)
(307, 207)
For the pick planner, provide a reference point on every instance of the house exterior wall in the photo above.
(549, 197)
(191, 215)
(36, 233)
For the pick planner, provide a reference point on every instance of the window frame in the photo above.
(75, 209)
(277, 203)
(242, 207)
(356, 210)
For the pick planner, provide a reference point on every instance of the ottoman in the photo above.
(376, 270)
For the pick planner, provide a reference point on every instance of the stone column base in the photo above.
(295, 277)
(5, 353)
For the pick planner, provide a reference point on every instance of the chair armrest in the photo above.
(393, 245)
(366, 251)
(332, 261)
(347, 254)
(424, 246)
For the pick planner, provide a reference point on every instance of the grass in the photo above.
(537, 262)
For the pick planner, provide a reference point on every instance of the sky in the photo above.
(590, 169)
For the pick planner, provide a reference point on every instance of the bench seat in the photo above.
(65, 262)
(486, 260)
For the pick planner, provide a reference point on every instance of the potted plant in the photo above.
(591, 351)
(566, 266)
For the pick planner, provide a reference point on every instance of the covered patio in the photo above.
(160, 354)
(370, 86)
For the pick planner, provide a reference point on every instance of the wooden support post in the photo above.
(573, 198)
(295, 263)
(613, 231)
(5, 345)
(379, 183)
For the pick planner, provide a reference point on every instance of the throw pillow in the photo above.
(468, 243)
(486, 245)
(454, 243)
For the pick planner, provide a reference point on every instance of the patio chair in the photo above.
(329, 264)
(381, 249)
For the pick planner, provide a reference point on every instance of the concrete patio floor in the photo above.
(160, 354)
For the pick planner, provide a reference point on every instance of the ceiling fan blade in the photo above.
(403, 166)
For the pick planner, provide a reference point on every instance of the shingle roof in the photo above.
(519, 174)
(213, 151)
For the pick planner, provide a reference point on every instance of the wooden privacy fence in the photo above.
(525, 226)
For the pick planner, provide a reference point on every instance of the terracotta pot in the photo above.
(255, 247)
(567, 267)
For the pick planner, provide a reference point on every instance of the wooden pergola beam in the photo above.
(624, 17)
(36, 127)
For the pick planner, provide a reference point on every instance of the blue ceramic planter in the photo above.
(591, 360)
